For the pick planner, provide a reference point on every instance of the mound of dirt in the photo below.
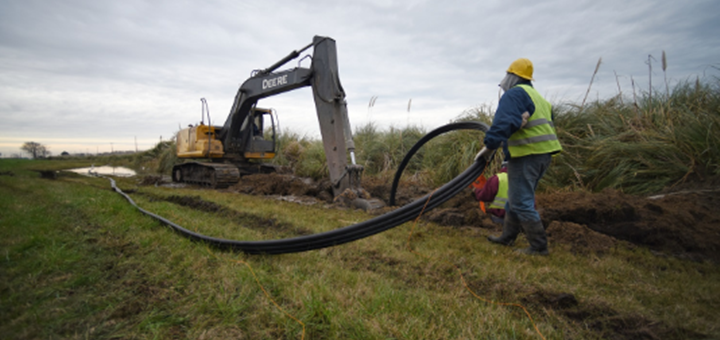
(684, 223)
(580, 238)
(283, 185)
(407, 191)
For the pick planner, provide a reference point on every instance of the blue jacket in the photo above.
(508, 117)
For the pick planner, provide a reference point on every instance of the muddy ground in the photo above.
(684, 222)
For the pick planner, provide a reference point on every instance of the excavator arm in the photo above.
(330, 105)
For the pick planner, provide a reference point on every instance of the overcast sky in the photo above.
(89, 75)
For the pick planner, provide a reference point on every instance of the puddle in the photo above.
(118, 171)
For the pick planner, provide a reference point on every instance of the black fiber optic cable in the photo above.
(349, 233)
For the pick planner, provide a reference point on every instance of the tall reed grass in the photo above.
(638, 145)
(160, 158)
(669, 140)
(381, 152)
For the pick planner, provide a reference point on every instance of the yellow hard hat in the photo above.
(522, 68)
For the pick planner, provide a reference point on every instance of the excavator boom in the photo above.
(236, 133)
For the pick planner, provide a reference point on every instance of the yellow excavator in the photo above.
(218, 156)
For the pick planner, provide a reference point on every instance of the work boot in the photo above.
(511, 229)
(535, 233)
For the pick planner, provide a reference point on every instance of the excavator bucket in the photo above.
(354, 195)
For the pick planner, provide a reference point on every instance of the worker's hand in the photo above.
(485, 155)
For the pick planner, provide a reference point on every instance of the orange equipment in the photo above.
(479, 183)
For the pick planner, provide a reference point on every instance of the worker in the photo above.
(495, 191)
(524, 122)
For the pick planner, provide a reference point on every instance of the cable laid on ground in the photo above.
(338, 236)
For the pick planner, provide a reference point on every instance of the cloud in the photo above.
(112, 71)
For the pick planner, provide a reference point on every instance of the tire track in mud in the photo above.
(244, 219)
(565, 222)
(596, 317)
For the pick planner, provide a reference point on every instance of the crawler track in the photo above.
(214, 175)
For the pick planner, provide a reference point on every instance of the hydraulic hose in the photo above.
(432, 134)
(338, 236)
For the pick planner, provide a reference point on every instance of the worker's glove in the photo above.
(485, 155)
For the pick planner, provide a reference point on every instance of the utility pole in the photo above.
(136, 149)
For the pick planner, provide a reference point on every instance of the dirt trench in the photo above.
(683, 223)
(603, 320)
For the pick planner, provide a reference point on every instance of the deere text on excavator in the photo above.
(218, 156)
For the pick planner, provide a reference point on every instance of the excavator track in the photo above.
(214, 175)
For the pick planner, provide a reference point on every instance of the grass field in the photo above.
(79, 262)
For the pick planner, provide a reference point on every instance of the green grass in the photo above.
(79, 262)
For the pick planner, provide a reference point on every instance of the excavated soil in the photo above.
(285, 186)
(683, 223)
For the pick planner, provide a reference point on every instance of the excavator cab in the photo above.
(261, 134)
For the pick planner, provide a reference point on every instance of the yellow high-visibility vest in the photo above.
(502, 194)
(538, 135)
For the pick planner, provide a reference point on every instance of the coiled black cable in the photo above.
(338, 236)
(432, 134)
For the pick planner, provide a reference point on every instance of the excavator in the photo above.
(218, 156)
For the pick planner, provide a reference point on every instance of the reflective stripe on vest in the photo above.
(530, 140)
(502, 194)
(538, 135)
(537, 122)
